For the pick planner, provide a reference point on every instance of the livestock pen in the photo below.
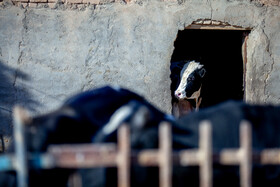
(121, 156)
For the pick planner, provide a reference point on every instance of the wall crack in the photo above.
(268, 73)
(19, 61)
(210, 4)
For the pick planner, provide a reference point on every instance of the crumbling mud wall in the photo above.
(52, 49)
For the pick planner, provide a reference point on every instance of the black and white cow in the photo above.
(94, 116)
(225, 119)
(188, 86)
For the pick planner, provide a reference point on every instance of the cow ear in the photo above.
(202, 72)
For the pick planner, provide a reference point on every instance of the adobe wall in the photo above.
(51, 49)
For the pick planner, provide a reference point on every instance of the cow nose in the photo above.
(178, 94)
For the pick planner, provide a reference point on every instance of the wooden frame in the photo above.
(122, 157)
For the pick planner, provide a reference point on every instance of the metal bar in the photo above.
(20, 117)
(107, 155)
(123, 161)
(270, 156)
(245, 154)
(189, 157)
(164, 155)
(147, 157)
(205, 154)
(44, 160)
(68, 156)
(229, 157)
(84, 156)
(7, 162)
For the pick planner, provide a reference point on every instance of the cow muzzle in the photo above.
(180, 95)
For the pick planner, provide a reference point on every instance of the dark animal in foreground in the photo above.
(92, 116)
(186, 86)
(95, 115)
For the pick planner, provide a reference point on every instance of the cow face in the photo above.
(190, 81)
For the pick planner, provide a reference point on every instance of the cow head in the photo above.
(190, 81)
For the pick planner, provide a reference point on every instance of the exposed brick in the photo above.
(93, 2)
(38, 1)
(74, 1)
(216, 23)
(52, 5)
(32, 5)
(199, 22)
(24, 5)
(42, 5)
(223, 23)
(23, 1)
(207, 22)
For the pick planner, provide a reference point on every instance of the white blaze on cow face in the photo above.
(186, 77)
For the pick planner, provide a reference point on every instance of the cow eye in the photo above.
(191, 79)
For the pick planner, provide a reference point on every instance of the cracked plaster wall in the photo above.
(48, 54)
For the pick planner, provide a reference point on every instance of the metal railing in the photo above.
(121, 156)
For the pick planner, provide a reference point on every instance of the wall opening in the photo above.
(221, 52)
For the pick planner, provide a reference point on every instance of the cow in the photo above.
(188, 86)
(95, 115)
(225, 119)
(91, 116)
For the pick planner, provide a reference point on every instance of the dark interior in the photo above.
(220, 51)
